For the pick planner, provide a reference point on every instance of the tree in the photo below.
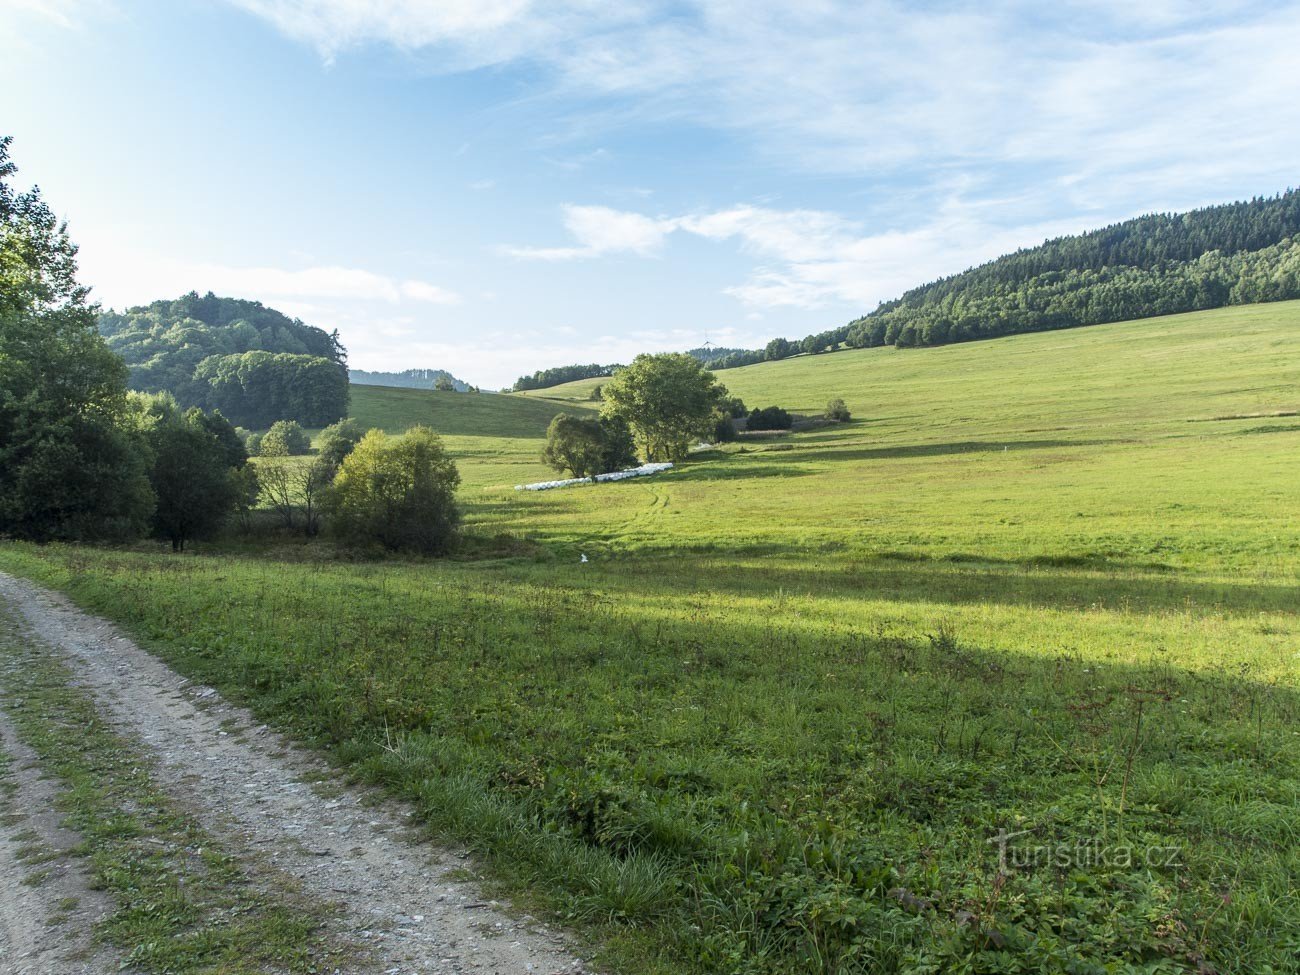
(778, 349)
(443, 384)
(667, 400)
(166, 342)
(837, 411)
(193, 477)
(733, 406)
(576, 445)
(275, 475)
(257, 388)
(69, 466)
(619, 448)
(399, 492)
(247, 491)
(286, 438)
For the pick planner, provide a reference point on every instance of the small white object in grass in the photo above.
(584, 557)
(641, 471)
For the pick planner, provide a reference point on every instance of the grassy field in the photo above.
(777, 722)
(497, 438)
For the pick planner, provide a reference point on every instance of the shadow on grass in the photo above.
(574, 739)
(829, 451)
(1051, 582)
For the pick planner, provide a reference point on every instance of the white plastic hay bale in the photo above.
(643, 471)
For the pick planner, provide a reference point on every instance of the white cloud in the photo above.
(122, 277)
(601, 230)
(64, 13)
(810, 258)
(315, 283)
(1195, 95)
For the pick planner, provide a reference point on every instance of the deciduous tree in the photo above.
(667, 400)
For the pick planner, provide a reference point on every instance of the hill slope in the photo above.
(1238, 253)
(1046, 584)
(496, 439)
(257, 365)
(1090, 439)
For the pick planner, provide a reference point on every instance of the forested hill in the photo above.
(1153, 265)
(255, 364)
(409, 379)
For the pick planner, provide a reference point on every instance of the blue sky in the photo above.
(495, 186)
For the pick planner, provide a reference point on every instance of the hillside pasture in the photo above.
(779, 719)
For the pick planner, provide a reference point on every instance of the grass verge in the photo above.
(184, 905)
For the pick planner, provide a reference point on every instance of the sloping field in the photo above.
(1001, 676)
(497, 438)
(1135, 442)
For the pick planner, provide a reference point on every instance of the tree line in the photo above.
(439, 379)
(253, 363)
(1158, 264)
(546, 378)
(83, 459)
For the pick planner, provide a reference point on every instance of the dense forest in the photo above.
(253, 363)
(409, 379)
(1158, 264)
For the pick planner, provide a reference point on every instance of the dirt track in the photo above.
(402, 906)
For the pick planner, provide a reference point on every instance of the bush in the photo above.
(337, 441)
(770, 418)
(286, 438)
(399, 492)
(584, 447)
(575, 445)
(837, 411)
(724, 428)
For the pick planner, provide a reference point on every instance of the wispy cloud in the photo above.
(318, 283)
(807, 258)
(1188, 93)
(64, 13)
(600, 230)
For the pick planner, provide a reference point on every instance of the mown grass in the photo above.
(775, 720)
(183, 904)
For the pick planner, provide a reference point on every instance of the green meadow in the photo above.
(1044, 585)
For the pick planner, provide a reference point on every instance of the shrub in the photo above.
(286, 438)
(337, 441)
(770, 418)
(574, 444)
(837, 411)
(724, 428)
(399, 492)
